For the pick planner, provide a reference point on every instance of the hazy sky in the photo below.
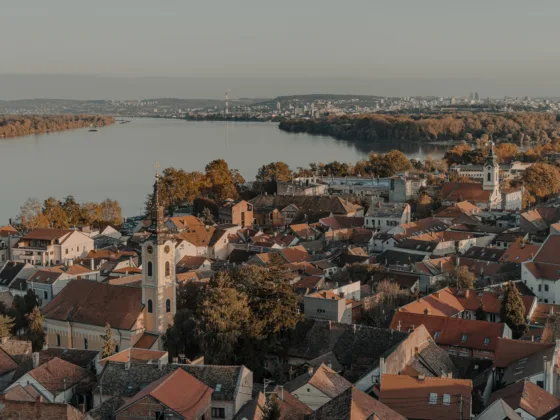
(508, 45)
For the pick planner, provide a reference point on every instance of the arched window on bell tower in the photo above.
(167, 269)
(489, 176)
(167, 305)
(150, 308)
(150, 269)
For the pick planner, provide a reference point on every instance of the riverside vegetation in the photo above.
(16, 125)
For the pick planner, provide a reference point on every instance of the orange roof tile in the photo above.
(480, 335)
(518, 253)
(527, 396)
(508, 350)
(170, 391)
(57, 375)
(456, 191)
(135, 355)
(410, 396)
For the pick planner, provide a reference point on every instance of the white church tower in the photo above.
(158, 271)
(491, 181)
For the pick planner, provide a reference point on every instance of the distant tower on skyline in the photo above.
(227, 101)
(476, 96)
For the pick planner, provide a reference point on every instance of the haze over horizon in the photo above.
(140, 49)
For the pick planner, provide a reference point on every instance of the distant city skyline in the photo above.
(139, 49)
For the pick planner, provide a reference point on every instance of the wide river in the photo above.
(117, 162)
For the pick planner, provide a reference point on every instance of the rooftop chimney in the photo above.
(310, 370)
(35, 357)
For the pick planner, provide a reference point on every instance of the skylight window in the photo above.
(218, 388)
(464, 338)
(487, 341)
(436, 335)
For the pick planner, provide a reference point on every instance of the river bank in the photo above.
(24, 125)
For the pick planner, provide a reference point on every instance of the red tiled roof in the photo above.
(508, 350)
(295, 254)
(7, 364)
(8, 231)
(451, 331)
(89, 302)
(456, 191)
(527, 396)
(57, 375)
(135, 355)
(342, 222)
(47, 234)
(518, 253)
(544, 271)
(410, 396)
(170, 391)
(549, 251)
(146, 341)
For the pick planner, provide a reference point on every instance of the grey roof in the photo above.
(498, 410)
(106, 410)
(357, 350)
(527, 366)
(307, 204)
(399, 257)
(433, 361)
(117, 380)
(82, 358)
(9, 272)
(485, 254)
(19, 284)
(417, 245)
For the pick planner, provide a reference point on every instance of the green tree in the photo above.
(182, 336)
(74, 211)
(480, 313)
(109, 343)
(542, 180)
(224, 317)
(55, 214)
(36, 330)
(21, 308)
(6, 326)
(272, 410)
(268, 175)
(512, 311)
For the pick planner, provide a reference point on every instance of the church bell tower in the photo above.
(158, 270)
(491, 171)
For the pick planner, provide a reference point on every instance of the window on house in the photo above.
(45, 294)
(117, 348)
(86, 343)
(58, 340)
(159, 415)
(489, 176)
(433, 397)
(218, 413)
(546, 287)
(447, 399)
(464, 338)
(436, 335)
(167, 305)
(487, 341)
(540, 287)
(66, 250)
(150, 309)
(150, 269)
(167, 269)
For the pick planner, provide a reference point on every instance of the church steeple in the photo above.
(157, 213)
(491, 159)
(491, 181)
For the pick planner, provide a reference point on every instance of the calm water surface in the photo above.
(117, 161)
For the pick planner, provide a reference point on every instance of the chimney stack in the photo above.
(35, 357)
(310, 370)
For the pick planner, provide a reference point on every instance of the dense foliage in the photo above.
(15, 125)
(515, 127)
(512, 311)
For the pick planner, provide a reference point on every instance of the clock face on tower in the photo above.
(167, 249)
(150, 249)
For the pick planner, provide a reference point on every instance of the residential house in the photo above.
(11, 271)
(301, 186)
(304, 232)
(405, 280)
(385, 216)
(329, 305)
(505, 239)
(430, 272)
(517, 360)
(178, 224)
(542, 273)
(52, 246)
(190, 263)
(539, 219)
(427, 398)
(498, 410)
(310, 205)
(419, 227)
(519, 252)
(47, 282)
(317, 387)
(464, 303)
(354, 404)
(9, 236)
(329, 269)
(56, 380)
(206, 241)
(134, 356)
(451, 213)
(232, 385)
(290, 407)
(341, 222)
(177, 395)
(359, 353)
(526, 399)
(236, 212)
(405, 187)
(462, 337)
